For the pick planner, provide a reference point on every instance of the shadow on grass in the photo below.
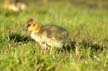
(92, 46)
(15, 37)
(86, 44)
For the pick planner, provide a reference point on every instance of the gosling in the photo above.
(14, 6)
(48, 35)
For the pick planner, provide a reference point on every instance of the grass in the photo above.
(87, 27)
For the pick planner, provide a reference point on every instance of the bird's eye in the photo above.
(28, 25)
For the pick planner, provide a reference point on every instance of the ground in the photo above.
(88, 31)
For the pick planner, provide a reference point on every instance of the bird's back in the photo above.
(55, 32)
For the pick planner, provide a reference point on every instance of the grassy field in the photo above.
(88, 31)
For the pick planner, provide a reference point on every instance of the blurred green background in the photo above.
(86, 21)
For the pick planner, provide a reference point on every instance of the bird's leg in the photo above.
(43, 47)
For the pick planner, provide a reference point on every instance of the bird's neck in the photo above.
(38, 29)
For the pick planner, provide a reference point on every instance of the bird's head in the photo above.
(32, 25)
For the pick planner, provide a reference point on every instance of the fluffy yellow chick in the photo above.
(47, 35)
(15, 6)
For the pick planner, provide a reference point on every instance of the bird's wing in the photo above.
(55, 32)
